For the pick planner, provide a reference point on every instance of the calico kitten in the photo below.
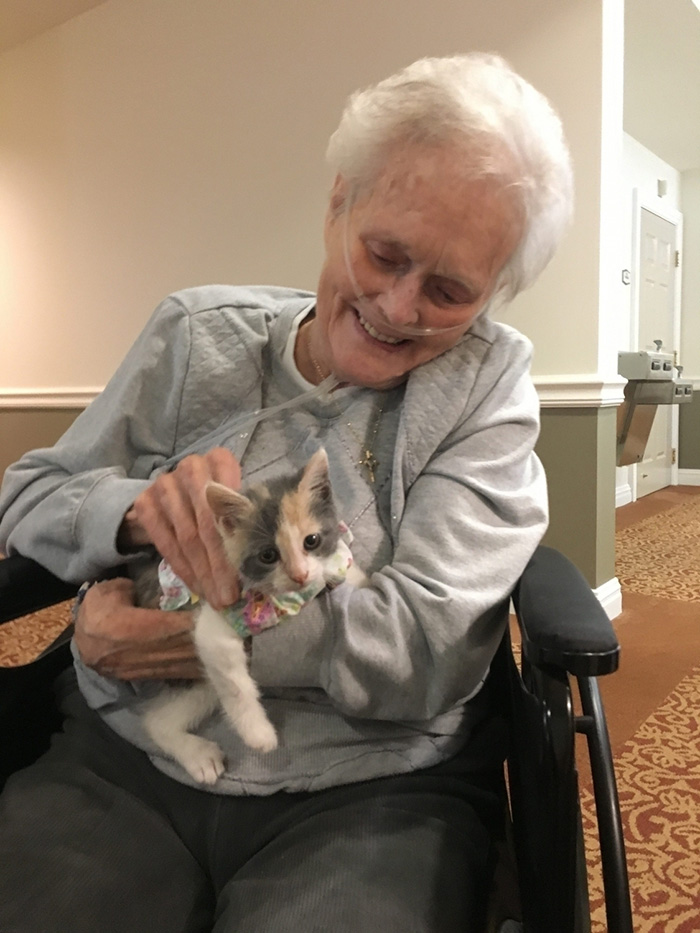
(281, 537)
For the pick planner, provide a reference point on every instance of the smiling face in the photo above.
(423, 248)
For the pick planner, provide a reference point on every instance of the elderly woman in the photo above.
(379, 807)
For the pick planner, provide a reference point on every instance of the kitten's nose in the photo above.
(300, 577)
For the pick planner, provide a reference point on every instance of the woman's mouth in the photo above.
(382, 338)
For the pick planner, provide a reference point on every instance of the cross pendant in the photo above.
(370, 462)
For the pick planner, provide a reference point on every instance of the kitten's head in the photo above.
(276, 533)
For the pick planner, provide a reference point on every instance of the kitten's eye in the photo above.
(311, 542)
(269, 555)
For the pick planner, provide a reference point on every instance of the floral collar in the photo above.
(255, 611)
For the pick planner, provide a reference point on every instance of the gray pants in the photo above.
(94, 839)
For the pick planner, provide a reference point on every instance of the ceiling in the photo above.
(662, 66)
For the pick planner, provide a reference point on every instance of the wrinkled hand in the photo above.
(173, 514)
(119, 640)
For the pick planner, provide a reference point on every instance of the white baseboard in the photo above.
(688, 477)
(623, 495)
(610, 597)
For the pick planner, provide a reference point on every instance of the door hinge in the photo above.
(678, 258)
(673, 455)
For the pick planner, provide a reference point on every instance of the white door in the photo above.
(657, 263)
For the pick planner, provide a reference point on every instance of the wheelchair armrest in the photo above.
(26, 586)
(561, 621)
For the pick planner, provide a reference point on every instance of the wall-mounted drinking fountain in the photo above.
(652, 379)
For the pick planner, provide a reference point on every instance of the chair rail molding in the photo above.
(558, 391)
(48, 398)
(580, 391)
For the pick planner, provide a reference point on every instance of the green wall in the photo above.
(689, 434)
(577, 448)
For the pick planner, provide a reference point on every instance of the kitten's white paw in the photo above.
(203, 760)
(260, 736)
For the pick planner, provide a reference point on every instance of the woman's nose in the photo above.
(399, 304)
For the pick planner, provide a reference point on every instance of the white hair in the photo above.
(476, 102)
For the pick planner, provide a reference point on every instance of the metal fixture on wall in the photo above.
(651, 381)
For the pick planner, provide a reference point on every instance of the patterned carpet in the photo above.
(659, 556)
(25, 638)
(658, 766)
(658, 777)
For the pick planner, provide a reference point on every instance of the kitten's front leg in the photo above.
(356, 577)
(168, 719)
(222, 653)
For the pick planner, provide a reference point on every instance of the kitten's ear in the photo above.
(316, 478)
(230, 508)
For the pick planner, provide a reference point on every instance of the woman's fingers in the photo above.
(170, 658)
(111, 634)
(199, 538)
(120, 640)
(166, 511)
(218, 581)
(224, 467)
(176, 517)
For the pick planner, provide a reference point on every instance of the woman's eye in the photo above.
(447, 298)
(311, 542)
(269, 555)
(385, 261)
(385, 258)
(447, 295)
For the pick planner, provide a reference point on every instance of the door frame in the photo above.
(675, 217)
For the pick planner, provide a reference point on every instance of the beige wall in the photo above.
(690, 336)
(150, 145)
(641, 171)
(157, 144)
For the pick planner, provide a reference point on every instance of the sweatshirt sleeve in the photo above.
(421, 637)
(63, 505)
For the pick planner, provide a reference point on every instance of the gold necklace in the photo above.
(368, 461)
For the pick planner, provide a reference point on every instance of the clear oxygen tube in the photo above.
(251, 419)
(246, 423)
(374, 309)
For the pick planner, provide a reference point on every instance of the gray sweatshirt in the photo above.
(362, 683)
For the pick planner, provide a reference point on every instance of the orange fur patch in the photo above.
(296, 522)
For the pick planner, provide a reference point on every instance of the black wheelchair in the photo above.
(566, 638)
